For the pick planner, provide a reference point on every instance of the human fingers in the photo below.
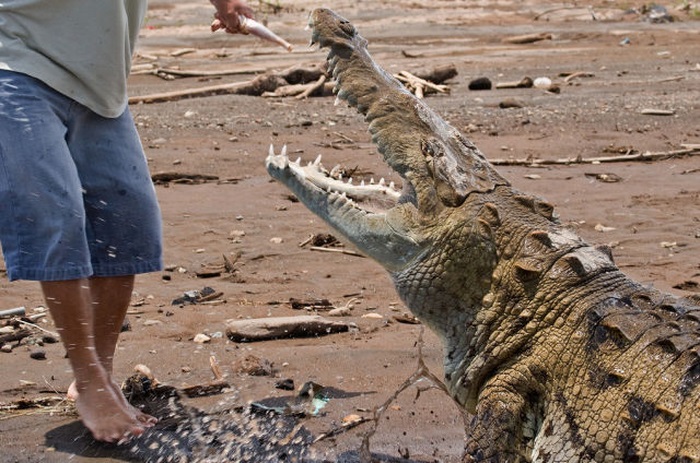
(216, 24)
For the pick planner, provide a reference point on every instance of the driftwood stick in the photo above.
(207, 73)
(301, 74)
(577, 74)
(286, 91)
(26, 404)
(302, 326)
(257, 86)
(165, 177)
(671, 79)
(12, 312)
(182, 51)
(229, 264)
(528, 38)
(438, 74)
(215, 368)
(201, 390)
(312, 88)
(525, 82)
(341, 251)
(341, 429)
(648, 156)
(143, 68)
(415, 81)
(37, 327)
(554, 10)
(190, 93)
(16, 336)
(657, 112)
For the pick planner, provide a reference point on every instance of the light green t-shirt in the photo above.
(81, 48)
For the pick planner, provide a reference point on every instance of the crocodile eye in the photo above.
(427, 148)
(347, 28)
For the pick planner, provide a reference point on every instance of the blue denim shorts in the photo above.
(76, 197)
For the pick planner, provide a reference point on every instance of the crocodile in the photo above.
(555, 354)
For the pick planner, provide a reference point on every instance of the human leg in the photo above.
(109, 299)
(102, 408)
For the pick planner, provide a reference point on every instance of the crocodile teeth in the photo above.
(317, 161)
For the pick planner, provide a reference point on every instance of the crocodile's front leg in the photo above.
(387, 237)
(507, 419)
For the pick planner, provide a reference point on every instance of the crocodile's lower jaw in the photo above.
(385, 235)
(281, 167)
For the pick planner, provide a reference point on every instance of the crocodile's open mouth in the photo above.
(437, 165)
(339, 35)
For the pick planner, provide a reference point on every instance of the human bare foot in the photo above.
(103, 412)
(144, 418)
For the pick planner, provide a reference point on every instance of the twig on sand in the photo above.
(199, 73)
(421, 373)
(342, 251)
(341, 429)
(554, 10)
(647, 156)
(17, 335)
(37, 327)
(50, 405)
(312, 88)
(528, 38)
(419, 86)
(13, 312)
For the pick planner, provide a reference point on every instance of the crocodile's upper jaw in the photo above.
(442, 166)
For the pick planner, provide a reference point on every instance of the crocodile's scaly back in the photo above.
(557, 353)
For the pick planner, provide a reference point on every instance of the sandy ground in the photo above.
(651, 216)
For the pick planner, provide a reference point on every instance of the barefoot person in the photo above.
(78, 211)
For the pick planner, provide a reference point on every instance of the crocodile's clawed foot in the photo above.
(313, 173)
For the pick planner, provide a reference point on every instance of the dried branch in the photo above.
(528, 38)
(648, 156)
(342, 251)
(421, 373)
(12, 312)
(312, 88)
(15, 336)
(257, 86)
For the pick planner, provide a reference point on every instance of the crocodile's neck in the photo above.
(488, 310)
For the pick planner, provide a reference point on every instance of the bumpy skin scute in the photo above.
(559, 356)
